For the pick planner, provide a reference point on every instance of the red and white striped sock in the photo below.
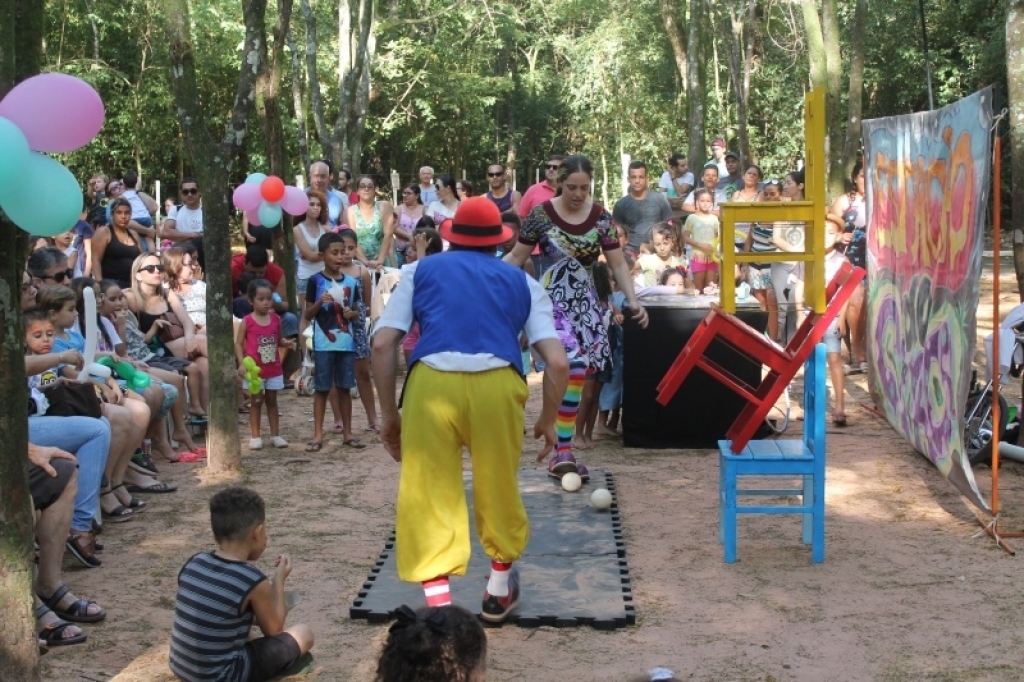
(497, 583)
(437, 592)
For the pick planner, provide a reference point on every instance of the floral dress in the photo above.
(569, 281)
(370, 233)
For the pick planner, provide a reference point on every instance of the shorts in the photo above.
(46, 489)
(169, 363)
(758, 277)
(334, 368)
(271, 384)
(833, 340)
(703, 266)
(271, 655)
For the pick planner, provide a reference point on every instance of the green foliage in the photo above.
(461, 86)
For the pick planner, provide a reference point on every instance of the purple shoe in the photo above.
(561, 464)
(583, 472)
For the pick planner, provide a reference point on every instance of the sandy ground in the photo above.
(908, 590)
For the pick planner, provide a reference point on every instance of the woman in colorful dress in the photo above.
(374, 224)
(574, 231)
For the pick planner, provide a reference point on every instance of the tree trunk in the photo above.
(732, 37)
(329, 149)
(836, 183)
(855, 104)
(825, 73)
(674, 30)
(212, 162)
(268, 109)
(355, 45)
(21, 44)
(1015, 83)
(298, 103)
(695, 92)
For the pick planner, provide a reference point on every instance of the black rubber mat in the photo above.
(573, 572)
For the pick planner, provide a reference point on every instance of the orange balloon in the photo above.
(272, 189)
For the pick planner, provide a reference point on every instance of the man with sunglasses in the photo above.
(536, 195)
(48, 266)
(185, 221)
(503, 197)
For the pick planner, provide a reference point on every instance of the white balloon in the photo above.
(90, 327)
(95, 369)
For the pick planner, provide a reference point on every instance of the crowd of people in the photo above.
(587, 269)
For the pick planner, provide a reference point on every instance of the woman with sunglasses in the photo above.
(161, 315)
(178, 273)
(115, 247)
(409, 213)
(374, 224)
(447, 199)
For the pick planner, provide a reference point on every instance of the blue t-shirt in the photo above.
(331, 330)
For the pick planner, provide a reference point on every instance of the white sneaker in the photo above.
(279, 442)
(255, 443)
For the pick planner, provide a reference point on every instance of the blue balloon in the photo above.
(256, 177)
(48, 214)
(270, 214)
(14, 152)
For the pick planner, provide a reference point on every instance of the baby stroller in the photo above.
(305, 384)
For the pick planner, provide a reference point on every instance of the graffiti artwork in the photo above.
(927, 178)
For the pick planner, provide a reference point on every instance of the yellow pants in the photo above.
(442, 412)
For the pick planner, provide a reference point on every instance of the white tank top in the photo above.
(307, 269)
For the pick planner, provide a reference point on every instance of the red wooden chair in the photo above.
(782, 363)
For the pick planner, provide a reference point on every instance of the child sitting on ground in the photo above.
(437, 644)
(208, 640)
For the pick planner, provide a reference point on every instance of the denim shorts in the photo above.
(833, 341)
(271, 384)
(334, 368)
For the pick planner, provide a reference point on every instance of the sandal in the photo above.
(187, 458)
(86, 556)
(52, 634)
(118, 514)
(133, 503)
(373, 428)
(354, 443)
(839, 419)
(158, 487)
(314, 445)
(339, 427)
(78, 612)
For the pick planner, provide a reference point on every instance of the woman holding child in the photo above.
(574, 231)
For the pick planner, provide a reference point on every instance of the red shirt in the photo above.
(273, 274)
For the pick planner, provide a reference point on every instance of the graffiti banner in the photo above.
(927, 184)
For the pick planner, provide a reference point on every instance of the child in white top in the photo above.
(652, 265)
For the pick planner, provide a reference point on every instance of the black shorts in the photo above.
(271, 655)
(170, 364)
(46, 489)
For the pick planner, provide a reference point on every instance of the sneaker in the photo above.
(255, 443)
(142, 463)
(561, 464)
(279, 442)
(497, 609)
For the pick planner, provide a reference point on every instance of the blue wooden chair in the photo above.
(782, 457)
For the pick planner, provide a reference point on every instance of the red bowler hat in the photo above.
(477, 222)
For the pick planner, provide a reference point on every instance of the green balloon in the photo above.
(14, 153)
(46, 201)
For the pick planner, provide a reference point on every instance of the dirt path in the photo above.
(906, 592)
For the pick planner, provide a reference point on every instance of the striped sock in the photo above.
(497, 583)
(437, 592)
(565, 423)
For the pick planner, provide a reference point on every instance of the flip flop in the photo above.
(339, 427)
(354, 443)
(155, 488)
(839, 419)
(314, 446)
(373, 428)
(187, 458)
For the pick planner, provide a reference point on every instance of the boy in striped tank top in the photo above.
(220, 594)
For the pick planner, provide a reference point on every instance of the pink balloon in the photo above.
(56, 112)
(247, 197)
(253, 214)
(295, 202)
